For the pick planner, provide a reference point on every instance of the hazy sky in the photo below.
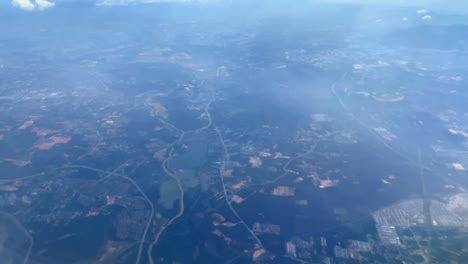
(459, 6)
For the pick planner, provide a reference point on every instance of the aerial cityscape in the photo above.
(233, 132)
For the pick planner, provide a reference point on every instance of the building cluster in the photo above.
(259, 229)
(283, 191)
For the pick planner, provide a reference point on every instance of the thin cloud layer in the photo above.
(134, 2)
(28, 5)
(44, 4)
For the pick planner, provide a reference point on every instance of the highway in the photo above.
(26, 233)
(181, 199)
(179, 183)
(221, 170)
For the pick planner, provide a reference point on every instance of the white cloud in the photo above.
(426, 17)
(421, 11)
(23, 4)
(405, 19)
(43, 4)
(28, 5)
